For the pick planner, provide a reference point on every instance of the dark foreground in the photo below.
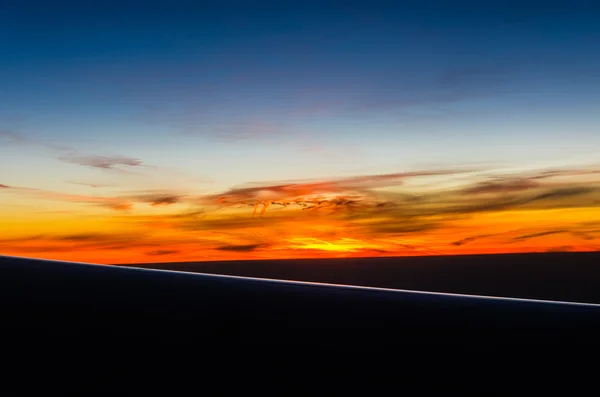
(564, 276)
(72, 303)
(84, 314)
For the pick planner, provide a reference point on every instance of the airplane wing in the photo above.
(63, 298)
(48, 308)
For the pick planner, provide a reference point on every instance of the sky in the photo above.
(189, 131)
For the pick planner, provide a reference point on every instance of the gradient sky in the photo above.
(129, 130)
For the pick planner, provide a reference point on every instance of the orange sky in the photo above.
(418, 213)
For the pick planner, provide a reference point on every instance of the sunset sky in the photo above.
(172, 131)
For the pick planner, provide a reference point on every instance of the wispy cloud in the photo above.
(123, 202)
(113, 203)
(529, 181)
(554, 198)
(470, 239)
(508, 186)
(539, 234)
(104, 162)
(71, 155)
(562, 248)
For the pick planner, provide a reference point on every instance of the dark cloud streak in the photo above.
(516, 185)
(162, 252)
(157, 199)
(539, 234)
(240, 248)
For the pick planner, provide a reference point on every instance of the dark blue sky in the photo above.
(228, 90)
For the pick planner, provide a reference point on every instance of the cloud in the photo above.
(354, 206)
(547, 199)
(509, 186)
(357, 193)
(563, 193)
(578, 230)
(585, 235)
(117, 203)
(83, 241)
(240, 248)
(225, 223)
(539, 234)
(562, 248)
(107, 202)
(118, 206)
(338, 192)
(81, 237)
(103, 162)
(162, 252)
(216, 123)
(528, 181)
(71, 155)
(12, 138)
(467, 240)
(402, 225)
(157, 199)
(562, 173)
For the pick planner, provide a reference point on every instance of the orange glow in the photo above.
(340, 218)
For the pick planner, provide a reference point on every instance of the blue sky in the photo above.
(252, 91)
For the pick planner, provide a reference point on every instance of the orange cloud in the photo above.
(335, 193)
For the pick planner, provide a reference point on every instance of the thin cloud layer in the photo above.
(71, 155)
(108, 202)
(117, 203)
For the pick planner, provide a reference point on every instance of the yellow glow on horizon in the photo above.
(340, 245)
